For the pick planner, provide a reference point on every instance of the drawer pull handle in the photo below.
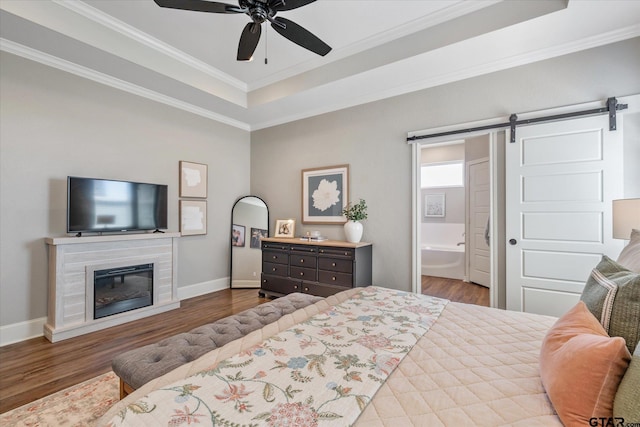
(333, 278)
(306, 289)
(333, 264)
(302, 273)
(301, 261)
(346, 253)
(274, 269)
(295, 286)
(275, 257)
(264, 281)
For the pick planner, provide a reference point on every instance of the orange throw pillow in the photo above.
(581, 367)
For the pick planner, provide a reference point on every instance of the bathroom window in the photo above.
(450, 174)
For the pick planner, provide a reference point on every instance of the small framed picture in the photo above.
(193, 217)
(257, 234)
(285, 228)
(237, 235)
(193, 180)
(434, 205)
(325, 193)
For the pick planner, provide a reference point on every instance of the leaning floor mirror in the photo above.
(249, 224)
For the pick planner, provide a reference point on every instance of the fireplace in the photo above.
(121, 289)
(83, 271)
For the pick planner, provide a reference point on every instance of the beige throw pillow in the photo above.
(630, 255)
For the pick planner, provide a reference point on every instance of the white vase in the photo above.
(353, 231)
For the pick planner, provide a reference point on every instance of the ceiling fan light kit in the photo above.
(259, 11)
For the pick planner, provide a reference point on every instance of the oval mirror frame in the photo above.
(248, 225)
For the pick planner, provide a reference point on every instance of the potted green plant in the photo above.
(354, 214)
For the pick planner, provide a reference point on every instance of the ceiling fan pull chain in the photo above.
(266, 32)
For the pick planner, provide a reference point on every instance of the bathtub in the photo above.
(443, 261)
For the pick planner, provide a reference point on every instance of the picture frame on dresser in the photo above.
(257, 234)
(325, 194)
(285, 228)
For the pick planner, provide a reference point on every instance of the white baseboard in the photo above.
(21, 331)
(34, 328)
(195, 290)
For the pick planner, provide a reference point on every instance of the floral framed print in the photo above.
(434, 205)
(193, 180)
(325, 193)
(193, 217)
(237, 235)
(285, 228)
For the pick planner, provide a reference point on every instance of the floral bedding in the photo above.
(322, 371)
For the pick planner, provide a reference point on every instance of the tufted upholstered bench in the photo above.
(137, 367)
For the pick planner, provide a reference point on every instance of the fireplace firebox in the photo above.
(121, 289)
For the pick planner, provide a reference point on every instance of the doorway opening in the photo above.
(453, 221)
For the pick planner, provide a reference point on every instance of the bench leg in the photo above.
(125, 389)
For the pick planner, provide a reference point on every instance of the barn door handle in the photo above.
(513, 241)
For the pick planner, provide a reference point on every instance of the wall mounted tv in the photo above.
(103, 205)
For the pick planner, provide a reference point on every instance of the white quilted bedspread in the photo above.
(475, 366)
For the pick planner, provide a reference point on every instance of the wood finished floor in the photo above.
(32, 369)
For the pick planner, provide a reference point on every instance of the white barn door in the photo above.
(560, 180)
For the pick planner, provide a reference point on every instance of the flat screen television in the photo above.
(104, 205)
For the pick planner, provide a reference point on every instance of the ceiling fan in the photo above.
(259, 11)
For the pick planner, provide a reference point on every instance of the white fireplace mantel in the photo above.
(70, 310)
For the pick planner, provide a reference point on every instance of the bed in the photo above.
(380, 357)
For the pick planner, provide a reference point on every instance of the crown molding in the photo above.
(96, 76)
(147, 40)
(470, 72)
(451, 12)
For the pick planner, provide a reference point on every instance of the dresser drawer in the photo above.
(320, 289)
(275, 269)
(276, 246)
(302, 273)
(280, 285)
(304, 249)
(275, 257)
(307, 261)
(336, 252)
(338, 279)
(336, 264)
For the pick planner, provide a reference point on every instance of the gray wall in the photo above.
(55, 124)
(371, 138)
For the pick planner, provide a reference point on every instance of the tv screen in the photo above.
(103, 205)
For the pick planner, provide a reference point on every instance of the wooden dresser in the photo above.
(317, 268)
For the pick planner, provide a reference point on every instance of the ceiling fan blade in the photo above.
(300, 36)
(248, 41)
(200, 6)
(280, 5)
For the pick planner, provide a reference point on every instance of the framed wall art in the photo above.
(325, 193)
(285, 228)
(434, 205)
(193, 180)
(237, 235)
(193, 217)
